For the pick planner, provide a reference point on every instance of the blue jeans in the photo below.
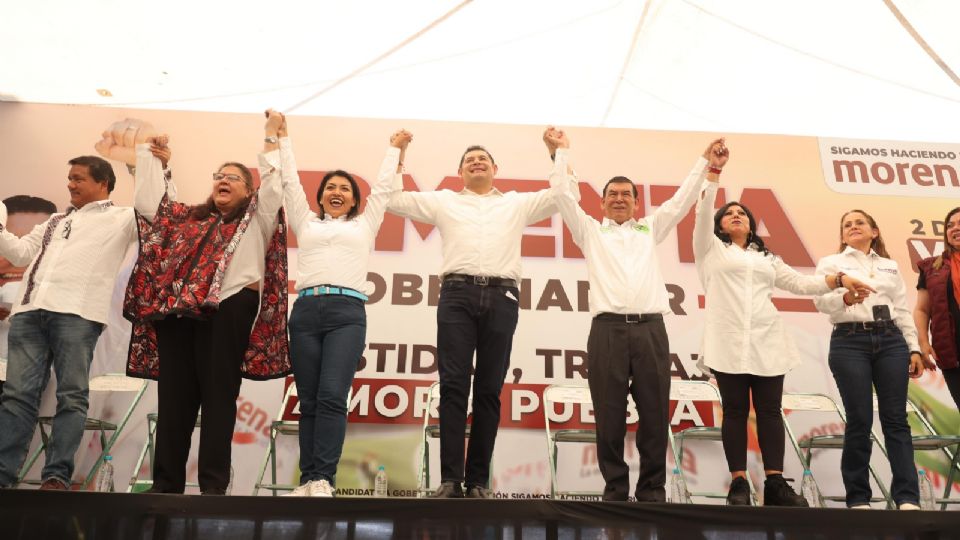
(860, 361)
(36, 340)
(327, 335)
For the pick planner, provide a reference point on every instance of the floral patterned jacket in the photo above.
(180, 270)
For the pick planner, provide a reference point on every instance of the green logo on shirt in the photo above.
(641, 227)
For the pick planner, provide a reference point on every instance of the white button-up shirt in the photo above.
(622, 263)
(886, 279)
(78, 269)
(247, 264)
(336, 251)
(744, 333)
(481, 233)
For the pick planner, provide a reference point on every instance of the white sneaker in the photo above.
(299, 491)
(321, 488)
(861, 507)
(908, 506)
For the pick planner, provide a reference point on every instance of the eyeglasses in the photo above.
(230, 177)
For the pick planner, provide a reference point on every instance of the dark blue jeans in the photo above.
(37, 340)
(327, 335)
(472, 318)
(862, 360)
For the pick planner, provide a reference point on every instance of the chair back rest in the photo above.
(681, 390)
(116, 382)
(567, 393)
(808, 402)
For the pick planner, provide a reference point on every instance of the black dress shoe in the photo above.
(739, 494)
(448, 490)
(777, 492)
(655, 495)
(479, 492)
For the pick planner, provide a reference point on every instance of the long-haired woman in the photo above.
(746, 346)
(873, 347)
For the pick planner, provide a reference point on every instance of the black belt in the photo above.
(865, 326)
(483, 281)
(629, 318)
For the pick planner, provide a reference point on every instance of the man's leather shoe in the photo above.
(479, 492)
(654, 495)
(448, 490)
(53, 484)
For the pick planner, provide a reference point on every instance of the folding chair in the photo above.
(573, 394)
(822, 403)
(432, 431)
(698, 391)
(136, 482)
(111, 382)
(282, 427)
(279, 427)
(932, 441)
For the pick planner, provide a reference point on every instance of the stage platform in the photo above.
(36, 515)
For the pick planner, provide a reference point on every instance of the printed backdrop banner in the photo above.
(797, 187)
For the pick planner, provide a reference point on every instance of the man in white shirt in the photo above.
(627, 351)
(478, 308)
(24, 212)
(58, 314)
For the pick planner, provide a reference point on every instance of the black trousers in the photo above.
(472, 318)
(630, 358)
(200, 368)
(736, 389)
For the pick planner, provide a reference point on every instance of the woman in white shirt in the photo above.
(745, 344)
(328, 323)
(873, 346)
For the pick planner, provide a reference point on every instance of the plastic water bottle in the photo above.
(928, 500)
(678, 487)
(380, 483)
(229, 483)
(810, 491)
(105, 477)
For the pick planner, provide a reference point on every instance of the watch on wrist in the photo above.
(271, 140)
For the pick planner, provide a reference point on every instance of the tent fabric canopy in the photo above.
(877, 69)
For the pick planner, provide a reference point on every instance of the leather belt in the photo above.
(483, 281)
(629, 318)
(865, 326)
(321, 290)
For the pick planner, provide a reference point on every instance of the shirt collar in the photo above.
(607, 222)
(852, 251)
(91, 206)
(493, 192)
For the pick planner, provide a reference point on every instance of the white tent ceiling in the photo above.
(847, 68)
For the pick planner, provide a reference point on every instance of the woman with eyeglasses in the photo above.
(873, 348)
(328, 322)
(207, 299)
(937, 312)
(745, 344)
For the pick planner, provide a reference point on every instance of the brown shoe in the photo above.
(54, 484)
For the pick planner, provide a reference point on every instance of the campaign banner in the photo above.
(797, 188)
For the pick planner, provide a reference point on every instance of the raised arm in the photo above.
(703, 238)
(563, 187)
(270, 193)
(389, 181)
(146, 154)
(671, 212)
(19, 250)
(295, 199)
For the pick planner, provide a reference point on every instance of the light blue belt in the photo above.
(326, 289)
